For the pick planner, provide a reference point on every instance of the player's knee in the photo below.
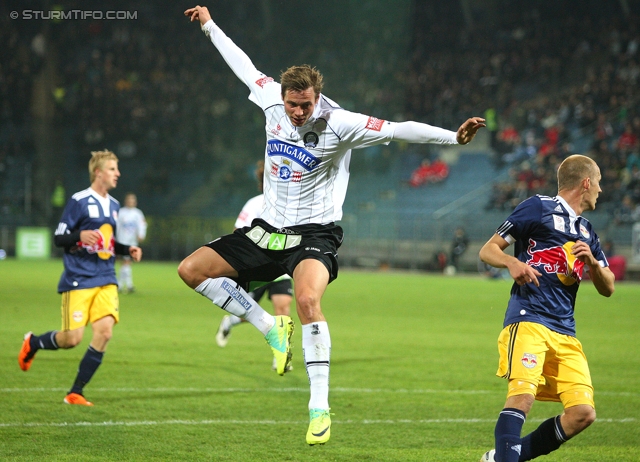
(308, 303)
(584, 416)
(187, 271)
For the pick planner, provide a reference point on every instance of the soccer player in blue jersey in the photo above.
(540, 355)
(88, 283)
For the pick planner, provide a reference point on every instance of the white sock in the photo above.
(316, 348)
(125, 280)
(229, 296)
(129, 276)
(234, 320)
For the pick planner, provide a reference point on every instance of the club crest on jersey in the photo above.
(310, 140)
(584, 232)
(295, 153)
(529, 360)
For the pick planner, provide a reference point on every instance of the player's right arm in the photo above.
(237, 59)
(492, 253)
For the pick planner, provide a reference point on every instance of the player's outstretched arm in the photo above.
(469, 128)
(237, 59)
(198, 13)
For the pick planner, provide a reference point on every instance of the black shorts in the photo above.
(281, 287)
(261, 252)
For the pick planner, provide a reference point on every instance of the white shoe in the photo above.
(488, 456)
(224, 332)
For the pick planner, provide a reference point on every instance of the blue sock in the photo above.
(88, 366)
(46, 341)
(507, 433)
(546, 438)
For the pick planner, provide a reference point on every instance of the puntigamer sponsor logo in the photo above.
(295, 153)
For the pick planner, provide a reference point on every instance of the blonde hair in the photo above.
(299, 78)
(97, 161)
(573, 170)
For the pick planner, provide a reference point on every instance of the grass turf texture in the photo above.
(412, 375)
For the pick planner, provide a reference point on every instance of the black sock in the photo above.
(507, 433)
(88, 366)
(46, 341)
(546, 438)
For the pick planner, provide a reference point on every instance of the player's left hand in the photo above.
(582, 252)
(469, 128)
(135, 252)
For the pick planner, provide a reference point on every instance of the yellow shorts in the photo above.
(82, 306)
(544, 363)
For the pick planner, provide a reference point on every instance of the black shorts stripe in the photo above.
(513, 333)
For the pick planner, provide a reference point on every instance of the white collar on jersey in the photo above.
(572, 213)
(104, 201)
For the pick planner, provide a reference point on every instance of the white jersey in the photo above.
(250, 211)
(306, 169)
(132, 227)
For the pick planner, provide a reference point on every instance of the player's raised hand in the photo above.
(200, 13)
(469, 128)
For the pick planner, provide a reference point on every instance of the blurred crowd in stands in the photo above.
(153, 88)
(552, 86)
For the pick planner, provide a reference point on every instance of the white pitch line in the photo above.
(284, 390)
(268, 422)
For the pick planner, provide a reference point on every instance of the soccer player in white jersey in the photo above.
(88, 283)
(280, 291)
(131, 230)
(309, 143)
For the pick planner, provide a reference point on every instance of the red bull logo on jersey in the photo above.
(529, 360)
(584, 231)
(556, 260)
(105, 247)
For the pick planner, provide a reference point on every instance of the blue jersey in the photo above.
(544, 229)
(89, 266)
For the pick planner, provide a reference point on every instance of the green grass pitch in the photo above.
(412, 375)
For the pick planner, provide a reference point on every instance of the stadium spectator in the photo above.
(309, 142)
(88, 283)
(554, 246)
(132, 230)
(280, 291)
(459, 246)
(429, 172)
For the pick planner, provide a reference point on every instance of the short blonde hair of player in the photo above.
(573, 170)
(98, 159)
(299, 78)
